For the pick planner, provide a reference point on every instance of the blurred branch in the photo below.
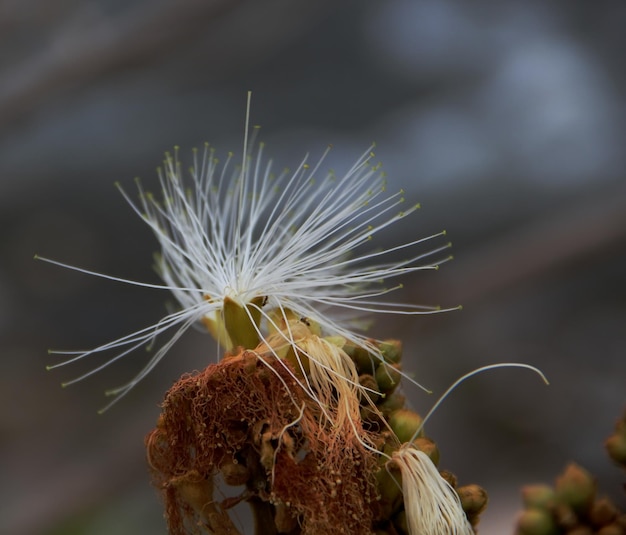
(91, 45)
(539, 248)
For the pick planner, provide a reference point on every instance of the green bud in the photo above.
(473, 499)
(404, 423)
(389, 485)
(616, 448)
(369, 382)
(387, 377)
(362, 358)
(537, 496)
(576, 488)
(242, 322)
(391, 351)
(387, 443)
(536, 522)
(391, 402)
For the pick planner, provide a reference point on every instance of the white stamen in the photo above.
(472, 374)
(293, 240)
(431, 505)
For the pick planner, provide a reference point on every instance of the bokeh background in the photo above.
(504, 118)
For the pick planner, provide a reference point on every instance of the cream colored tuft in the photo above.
(432, 506)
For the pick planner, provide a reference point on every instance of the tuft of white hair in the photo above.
(431, 505)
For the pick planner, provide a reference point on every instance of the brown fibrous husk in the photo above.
(247, 420)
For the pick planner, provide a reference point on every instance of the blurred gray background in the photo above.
(504, 118)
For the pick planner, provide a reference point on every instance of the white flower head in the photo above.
(245, 251)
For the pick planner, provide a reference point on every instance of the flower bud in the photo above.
(537, 496)
(473, 499)
(405, 423)
(242, 322)
(603, 512)
(391, 350)
(388, 377)
(391, 402)
(536, 522)
(368, 382)
(389, 485)
(362, 358)
(576, 488)
(616, 447)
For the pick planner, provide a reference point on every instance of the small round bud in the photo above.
(603, 512)
(391, 402)
(616, 447)
(368, 382)
(405, 423)
(536, 522)
(391, 351)
(389, 484)
(576, 488)
(473, 499)
(537, 496)
(387, 377)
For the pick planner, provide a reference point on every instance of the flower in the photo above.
(246, 252)
(432, 506)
